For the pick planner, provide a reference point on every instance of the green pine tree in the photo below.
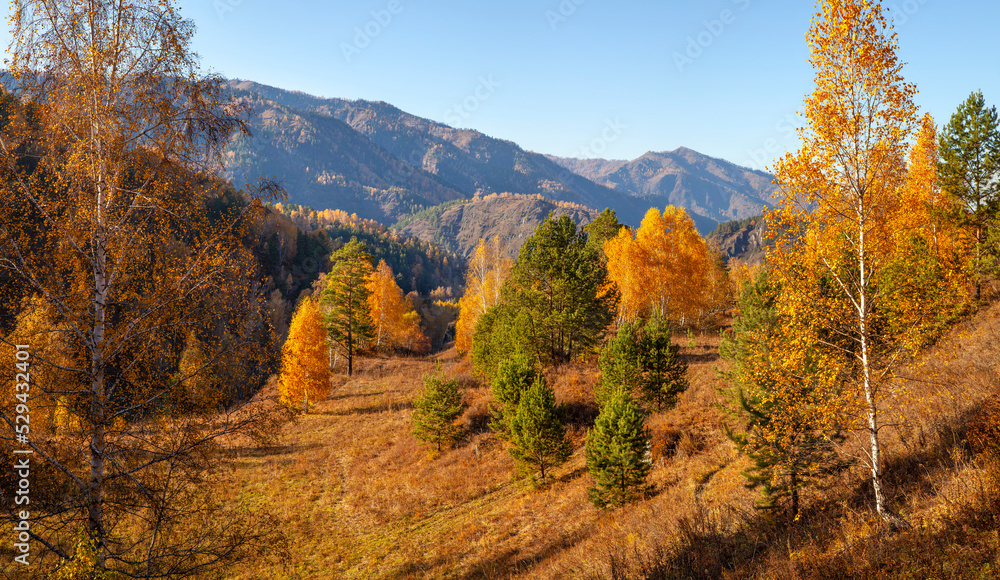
(618, 453)
(558, 281)
(663, 371)
(435, 412)
(969, 170)
(620, 364)
(502, 332)
(789, 452)
(346, 299)
(537, 435)
(602, 229)
(514, 376)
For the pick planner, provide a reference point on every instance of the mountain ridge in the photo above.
(710, 187)
(376, 160)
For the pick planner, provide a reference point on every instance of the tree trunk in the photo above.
(869, 387)
(95, 485)
(794, 483)
(350, 351)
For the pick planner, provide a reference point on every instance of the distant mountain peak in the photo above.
(712, 190)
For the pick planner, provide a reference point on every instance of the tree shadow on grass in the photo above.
(512, 561)
(580, 414)
(371, 410)
(918, 471)
(271, 450)
(578, 472)
(692, 358)
(357, 395)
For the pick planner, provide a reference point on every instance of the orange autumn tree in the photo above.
(845, 254)
(932, 252)
(927, 207)
(921, 193)
(488, 268)
(627, 270)
(305, 375)
(112, 222)
(665, 269)
(395, 324)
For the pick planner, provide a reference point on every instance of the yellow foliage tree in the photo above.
(665, 269)
(395, 324)
(305, 376)
(627, 270)
(50, 371)
(847, 264)
(488, 268)
(108, 227)
(195, 380)
(928, 208)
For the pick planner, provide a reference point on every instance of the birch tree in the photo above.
(488, 268)
(104, 222)
(842, 189)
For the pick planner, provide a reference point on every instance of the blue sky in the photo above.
(587, 78)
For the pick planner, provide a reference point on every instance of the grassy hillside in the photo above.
(358, 497)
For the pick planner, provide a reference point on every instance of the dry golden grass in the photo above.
(357, 496)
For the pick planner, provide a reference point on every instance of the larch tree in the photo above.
(197, 381)
(395, 324)
(842, 189)
(927, 208)
(53, 354)
(305, 373)
(345, 298)
(488, 269)
(931, 267)
(104, 220)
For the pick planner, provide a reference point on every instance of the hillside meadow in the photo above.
(355, 495)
